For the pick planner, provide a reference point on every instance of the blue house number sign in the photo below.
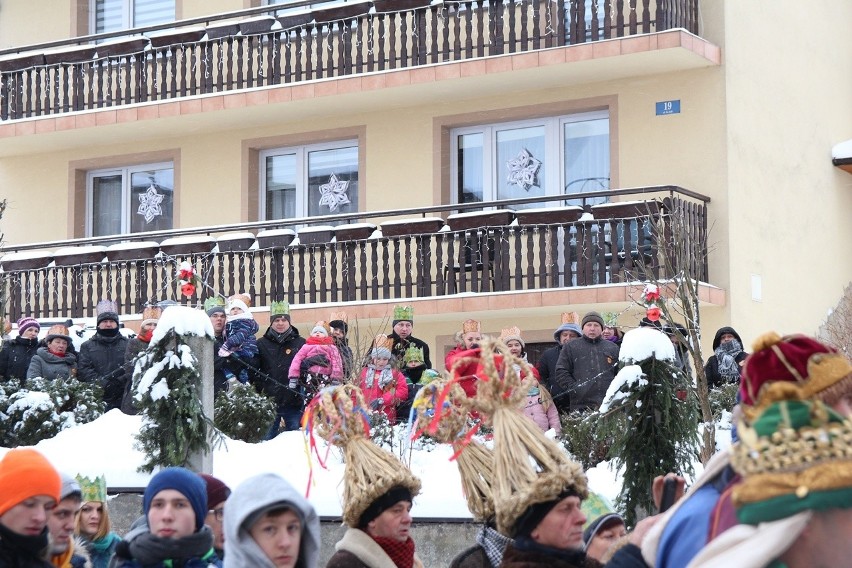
(668, 107)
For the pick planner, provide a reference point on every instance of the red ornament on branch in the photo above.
(653, 313)
(187, 278)
(187, 289)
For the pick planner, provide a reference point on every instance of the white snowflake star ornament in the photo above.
(523, 170)
(149, 204)
(333, 193)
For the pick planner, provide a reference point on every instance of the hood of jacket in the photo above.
(722, 331)
(48, 357)
(258, 494)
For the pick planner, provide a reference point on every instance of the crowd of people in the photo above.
(780, 495)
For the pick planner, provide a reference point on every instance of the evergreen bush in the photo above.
(244, 414)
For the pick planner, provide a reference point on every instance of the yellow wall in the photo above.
(788, 93)
(24, 22)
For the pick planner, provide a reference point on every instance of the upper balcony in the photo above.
(307, 41)
(489, 247)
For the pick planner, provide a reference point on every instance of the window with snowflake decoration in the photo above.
(309, 181)
(531, 158)
(130, 200)
(114, 15)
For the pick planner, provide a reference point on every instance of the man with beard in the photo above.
(276, 348)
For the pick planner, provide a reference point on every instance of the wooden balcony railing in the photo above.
(494, 250)
(225, 53)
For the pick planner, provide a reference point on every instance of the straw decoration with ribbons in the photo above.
(528, 467)
(442, 412)
(340, 416)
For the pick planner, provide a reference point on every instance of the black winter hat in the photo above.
(592, 316)
(339, 324)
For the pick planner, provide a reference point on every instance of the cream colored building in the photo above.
(744, 109)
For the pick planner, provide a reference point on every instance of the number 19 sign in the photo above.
(668, 107)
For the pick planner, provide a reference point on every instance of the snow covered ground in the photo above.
(106, 446)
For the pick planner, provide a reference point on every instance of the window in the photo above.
(115, 15)
(307, 181)
(530, 158)
(130, 200)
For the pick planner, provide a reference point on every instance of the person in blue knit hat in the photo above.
(175, 505)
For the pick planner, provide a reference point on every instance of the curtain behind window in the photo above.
(114, 15)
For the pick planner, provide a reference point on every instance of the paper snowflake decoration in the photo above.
(333, 193)
(149, 204)
(523, 170)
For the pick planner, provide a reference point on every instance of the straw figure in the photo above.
(518, 485)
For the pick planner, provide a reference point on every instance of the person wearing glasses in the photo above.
(217, 494)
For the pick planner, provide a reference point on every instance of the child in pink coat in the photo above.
(318, 361)
(384, 387)
(540, 409)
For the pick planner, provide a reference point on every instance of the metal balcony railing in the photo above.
(413, 255)
(306, 41)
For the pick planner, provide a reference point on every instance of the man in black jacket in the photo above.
(587, 366)
(546, 365)
(276, 350)
(403, 326)
(102, 357)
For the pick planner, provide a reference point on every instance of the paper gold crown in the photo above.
(470, 325)
(382, 341)
(571, 317)
(341, 316)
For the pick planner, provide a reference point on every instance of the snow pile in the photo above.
(185, 321)
(644, 342)
(630, 376)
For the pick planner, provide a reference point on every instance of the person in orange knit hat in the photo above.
(30, 489)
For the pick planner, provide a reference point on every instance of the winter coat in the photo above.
(546, 367)
(400, 345)
(51, 367)
(240, 337)
(711, 368)
(345, 355)
(77, 556)
(276, 352)
(628, 556)
(20, 551)
(101, 550)
(585, 369)
(535, 411)
(357, 549)
(102, 362)
(15, 358)
(318, 346)
(391, 395)
(220, 382)
(526, 553)
(141, 549)
(487, 553)
(257, 493)
(451, 357)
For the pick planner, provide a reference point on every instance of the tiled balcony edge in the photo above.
(673, 39)
(587, 297)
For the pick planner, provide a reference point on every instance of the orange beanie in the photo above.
(25, 473)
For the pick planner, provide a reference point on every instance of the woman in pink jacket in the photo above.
(384, 387)
(321, 359)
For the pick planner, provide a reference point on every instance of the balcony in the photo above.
(437, 251)
(256, 48)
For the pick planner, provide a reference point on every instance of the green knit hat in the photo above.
(795, 456)
(93, 489)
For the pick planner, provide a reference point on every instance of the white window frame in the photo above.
(126, 15)
(553, 158)
(301, 151)
(127, 208)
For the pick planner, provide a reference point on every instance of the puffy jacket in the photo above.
(393, 394)
(276, 353)
(544, 419)
(319, 346)
(15, 358)
(585, 369)
(51, 367)
(102, 362)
